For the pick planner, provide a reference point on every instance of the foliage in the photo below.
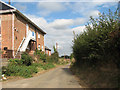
(44, 66)
(26, 59)
(24, 66)
(71, 56)
(104, 77)
(102, 36)
(16, 61)
(40, 54)
(63, 61)
(55, 57)
(23, 70)
(97, 52)
(20, 70)
(54, 48)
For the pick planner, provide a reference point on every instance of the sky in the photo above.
(60, 18)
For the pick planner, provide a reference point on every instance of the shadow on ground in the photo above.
(67, 71)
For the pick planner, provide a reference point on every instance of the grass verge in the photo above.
(100, 77)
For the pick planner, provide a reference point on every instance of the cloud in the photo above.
(61, 23)
(58, 35)
(20, 7)
(91, 8)
(66, 23)
(63, 0)
(47, 8)
(61, 30)
(40, 21)
(79, 29)
(85, 9)
(94, 13)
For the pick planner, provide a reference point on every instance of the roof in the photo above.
(6, 8)
(46, 48)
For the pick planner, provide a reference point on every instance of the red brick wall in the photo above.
(6, 31)
(48, 52)
(19, 32)
(40, 40)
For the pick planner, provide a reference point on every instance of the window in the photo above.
(16, 37)
(38, 35)
(5, 48)
(39, 47)
(32, 33)
(42, 48)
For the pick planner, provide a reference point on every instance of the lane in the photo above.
(60, 77)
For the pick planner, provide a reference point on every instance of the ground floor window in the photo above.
(39, 47)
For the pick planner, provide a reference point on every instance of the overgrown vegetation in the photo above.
(40, 55)
(55, 56)
(97, 50)
(26, 66)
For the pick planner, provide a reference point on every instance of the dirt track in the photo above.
(60, 77)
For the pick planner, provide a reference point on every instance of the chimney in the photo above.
(56, 46)
(9, 2)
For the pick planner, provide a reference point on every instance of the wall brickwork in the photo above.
(19, 32)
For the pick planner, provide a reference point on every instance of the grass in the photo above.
(100, 77)
(16, 67)
(44, 66)
(26, 71)
(20, 70)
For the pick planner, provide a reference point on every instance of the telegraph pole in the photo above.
(56, 46)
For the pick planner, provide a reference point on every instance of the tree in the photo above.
(55, 55)
(100, 38)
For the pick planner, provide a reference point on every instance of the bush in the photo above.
(24, 66)
(100, 38)
(48, 66)
(40, 54)
(24, 71)
(97, 52)
(16, 61)
(4, 68)
(26, 59)
(45, 66)
(55, 57)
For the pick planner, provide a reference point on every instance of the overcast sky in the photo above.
(60, 19)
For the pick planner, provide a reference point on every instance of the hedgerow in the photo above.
(100, 41)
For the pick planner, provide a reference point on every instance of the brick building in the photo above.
(18, 33)
(47, 51)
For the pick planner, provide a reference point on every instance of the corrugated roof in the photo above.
(47, 48)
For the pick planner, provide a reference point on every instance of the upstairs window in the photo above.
(39, 47)
(38, 35)
(33, 34)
